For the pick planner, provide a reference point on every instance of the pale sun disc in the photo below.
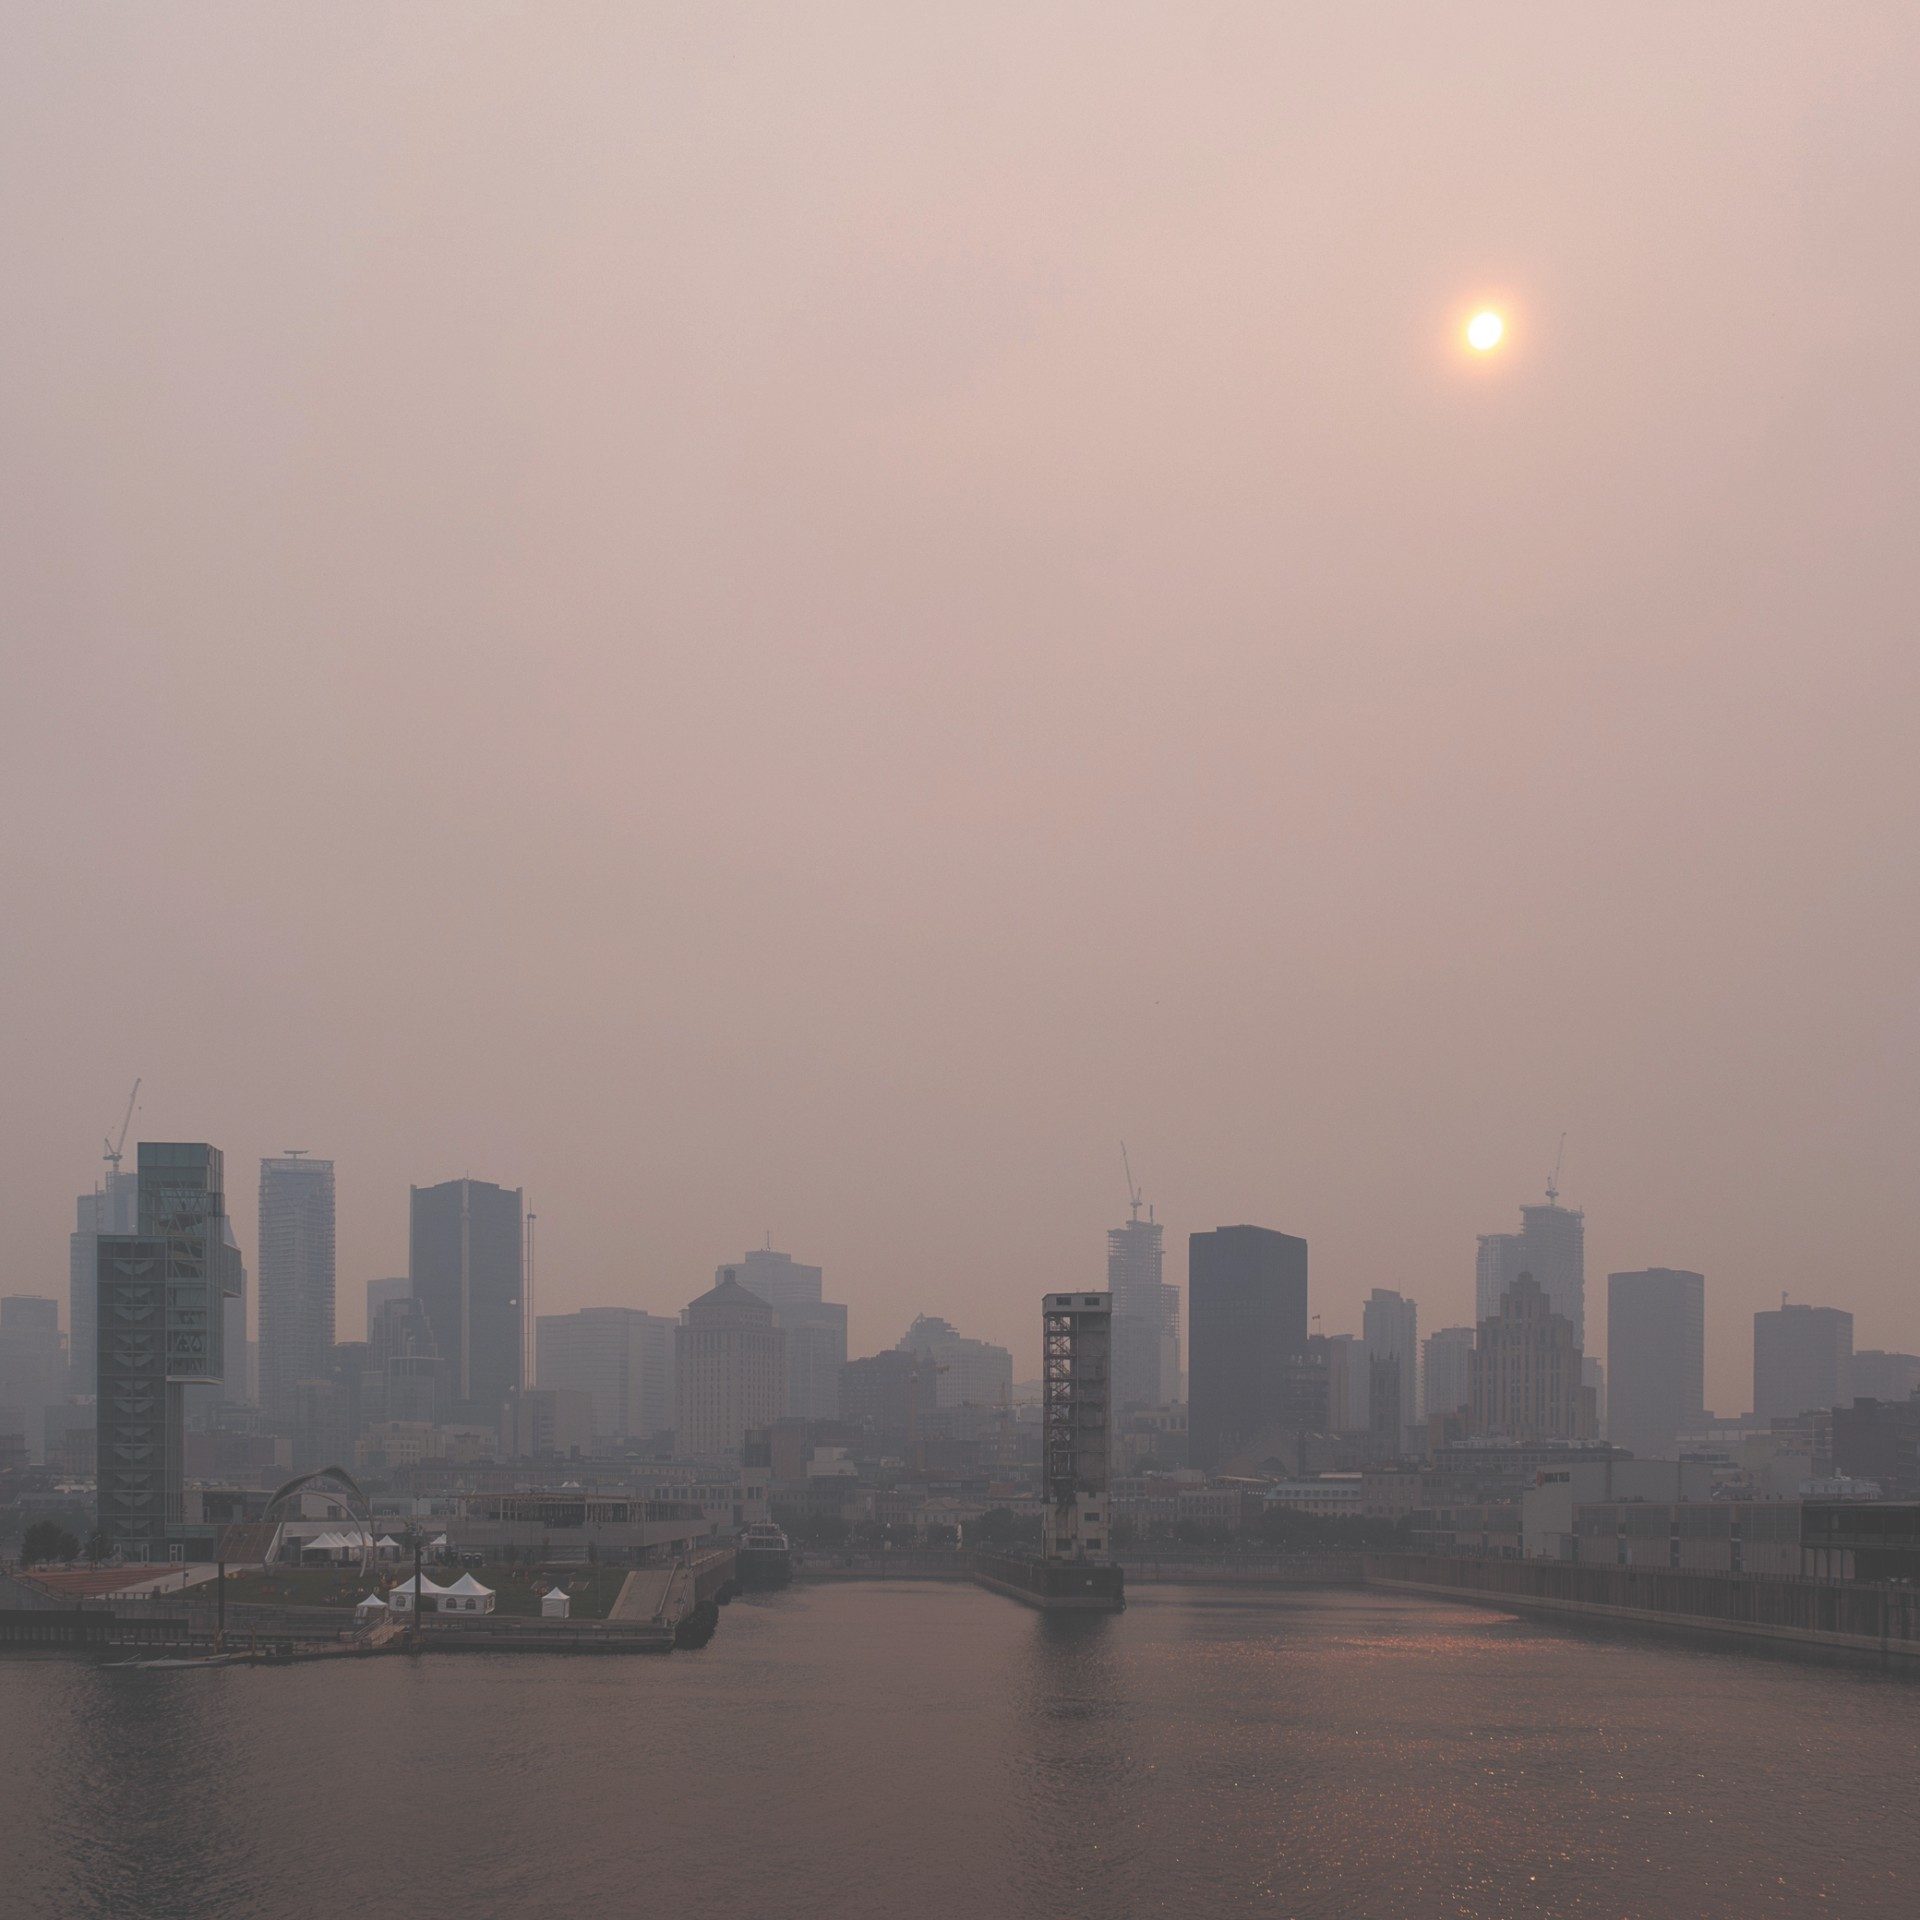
(1485, 331)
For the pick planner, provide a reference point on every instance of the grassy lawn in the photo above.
(517, 1590)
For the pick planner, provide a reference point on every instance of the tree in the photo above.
(47, 1540)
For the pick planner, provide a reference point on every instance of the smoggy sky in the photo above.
(800, 617)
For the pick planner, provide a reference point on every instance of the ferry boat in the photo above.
(764, 1557)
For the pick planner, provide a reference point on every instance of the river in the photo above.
(887, 1749)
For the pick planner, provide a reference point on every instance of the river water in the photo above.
(924, 1751)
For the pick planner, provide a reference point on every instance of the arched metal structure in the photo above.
(351, 1498)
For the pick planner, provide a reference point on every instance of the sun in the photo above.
(1485, 331)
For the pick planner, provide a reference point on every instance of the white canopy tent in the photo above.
(371, 1608)
(431, 1595)
(467, 1595)
(556, 1604)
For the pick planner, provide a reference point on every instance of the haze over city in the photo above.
(1024, 894)
(753, 623)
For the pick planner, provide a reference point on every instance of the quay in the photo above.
(1853, 1619)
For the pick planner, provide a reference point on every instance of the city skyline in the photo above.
(1338, 1300)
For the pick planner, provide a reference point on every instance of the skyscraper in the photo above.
(33, 1367)
(1390, 1329)
(1526, 1375)
(729, 1368)
(1878, 1375)
(466, 1262)
(111, 1208)
(1656, 1359)
(1802, 1360)
(1246, 1319)
(620, 1358)
(816, 1329)
(162, 1293)
(1447, 1362)
(1551, 1245)
(964, 1372)
(1146, 1316)
(295, 1287)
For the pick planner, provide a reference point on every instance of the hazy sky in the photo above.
(798, 617)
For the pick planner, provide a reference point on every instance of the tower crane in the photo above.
(1134, 1200)
(116, 1148)
(1553, 1179)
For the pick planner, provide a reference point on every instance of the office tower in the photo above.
(1593, 1376)
(1802, 1360)
(1146, 1315)
(1390, 1329)
(380, 1292)
(1447, 1360)
(877, 1397)
(1246, 1318)
(406, 1378)
(239, 1351)
(296, 1277)
(466, 1265)
(1878, 1375)
(966, 1372)
(1076, 1427)
(816, 1329)
(621, 1359)
(730, 1362)
(1656, 1359)
(33, 1368)
(1526, 1383)
(161, 1321)
(1551, 1245)
(1348, 1405)
(111, 1208)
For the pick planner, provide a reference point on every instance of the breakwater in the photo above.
(1880, 1623)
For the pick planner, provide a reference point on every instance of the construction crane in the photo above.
(1553, 1179)
(116, 1148)
(1134, 1201)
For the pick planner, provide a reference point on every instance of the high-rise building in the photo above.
(1390, 1330)
(1802, 1360)
(111, 1208)
(466, 1265)
(1447, 1362)
(1146, 1315)
(33, 1368)
(877, 1397)
(406, 1377)
(1246, 1319)
(295, 1278)
(966, 1372)
(1656, 1359)
(620, 1358)
(1878, 1375)
(1593, 1376)
(1349, 1405)
(729, 1371)
(816, 1329)
(1526, 1375)
(161, 1320)
(1551, 1245)
(381, 1292)
(1076, 1423)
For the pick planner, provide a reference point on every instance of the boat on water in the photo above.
(764, 1557)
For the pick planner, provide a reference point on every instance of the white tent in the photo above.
(556, 1604)
(371, 1608)
(432, 1596)
(467, 1595)
(387, 1547)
